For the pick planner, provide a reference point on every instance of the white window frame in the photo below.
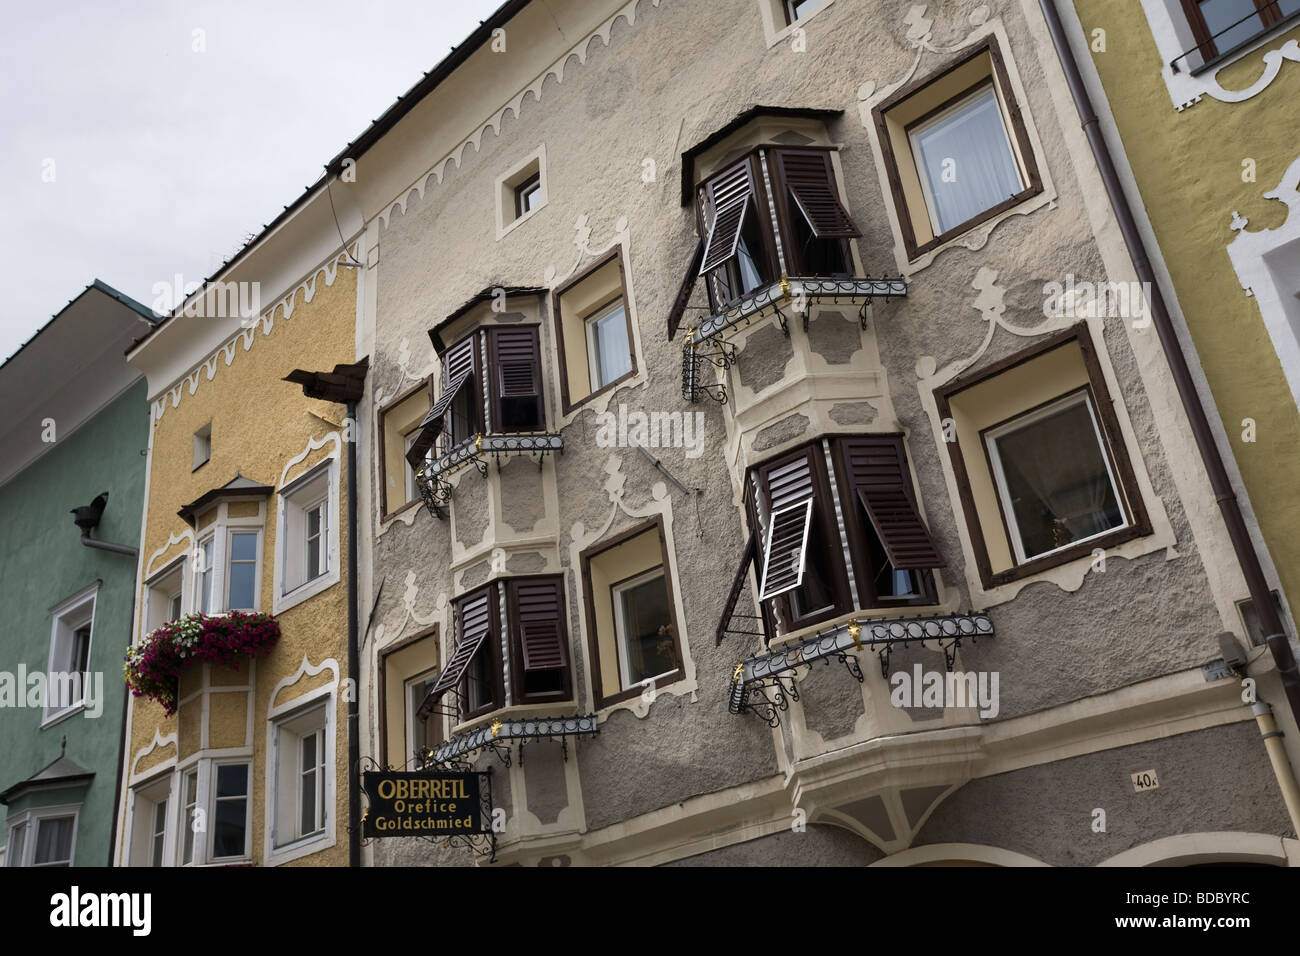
(408, 685)
(205, 575)
(202, 447)
(324, 699)
(807, 505)
(185, 819)
(144, 802)
(283, 600)
(775, 27)
(227, 561)
(69, 616)
(986, 90)
(29, 821)
(154, 584)
(210, 837)
(1083, 397)
(593, 348)
(617, 592)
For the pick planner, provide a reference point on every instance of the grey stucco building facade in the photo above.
(723, 431)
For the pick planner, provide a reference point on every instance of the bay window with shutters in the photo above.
(491, 385)
(837, 528)
(530, 612)
(775, 212)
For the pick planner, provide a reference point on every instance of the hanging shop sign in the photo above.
(425, 804)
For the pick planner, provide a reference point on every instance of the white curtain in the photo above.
(53, 840)
(967, 147)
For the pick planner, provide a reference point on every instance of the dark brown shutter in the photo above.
(810, 181)
(878, 474)
(474, 616)
(684, 290)
(517, 364)
(737, 586)
(731, 194)
(432, 425)
(537, 608)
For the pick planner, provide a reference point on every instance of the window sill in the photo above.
(1241, 49)
(664, 680)
(305, 591)
(57, 718)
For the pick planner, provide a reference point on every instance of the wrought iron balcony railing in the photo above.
(432, 479)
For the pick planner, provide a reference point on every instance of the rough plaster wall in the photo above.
(544, 781)
(819, 845)
(684, 748)
(829, 699)
(853, 413)
(834, 336)
(522, 504)
(1216, 779)
(787, 429)
(763, 360)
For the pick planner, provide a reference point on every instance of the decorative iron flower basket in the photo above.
(153, 667)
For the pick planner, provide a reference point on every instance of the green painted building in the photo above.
(76, 427)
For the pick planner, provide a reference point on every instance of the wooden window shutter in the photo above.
(684, 290)
(810, 180)
(459, 359)
(791, 495)
(433, 423)
(878, 474)
(474, 616)
(517, 365)
(731, 194)
(537, 609)
(747, 557)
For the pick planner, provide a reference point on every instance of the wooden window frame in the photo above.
(516, 641)
(761, 209)
(655, 524)
(1269, 14)
(857, 525)
(380, 416)
(1139, 522)
(616, 254)
(493, 385)
(1017, 132)
(824, 518)
(382, 665)
(477, 382)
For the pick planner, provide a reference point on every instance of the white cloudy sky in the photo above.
(165, 160)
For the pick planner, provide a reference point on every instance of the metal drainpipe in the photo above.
(1272, 738)
(1224, 495)
(90, 542)
(354, 656)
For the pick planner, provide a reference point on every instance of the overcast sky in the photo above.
(165, 159)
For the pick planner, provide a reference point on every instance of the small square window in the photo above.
(521, 193)
(202, 446)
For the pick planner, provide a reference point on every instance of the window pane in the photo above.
(813, 595)
(612, 356)
(480, 678)
(646, 634)
(1220, 15)
(159, 832)
(1057, 482)
(53, 840)
(80, 651)
(174, 608)
(232, 780)
(308, 822)
(799, 9)
(1287, 7)
(965, 161)
(187, 817)
(243, 547)
(228, 829)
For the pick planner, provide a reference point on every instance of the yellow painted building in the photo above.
(246, 510)
(1198, 103)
